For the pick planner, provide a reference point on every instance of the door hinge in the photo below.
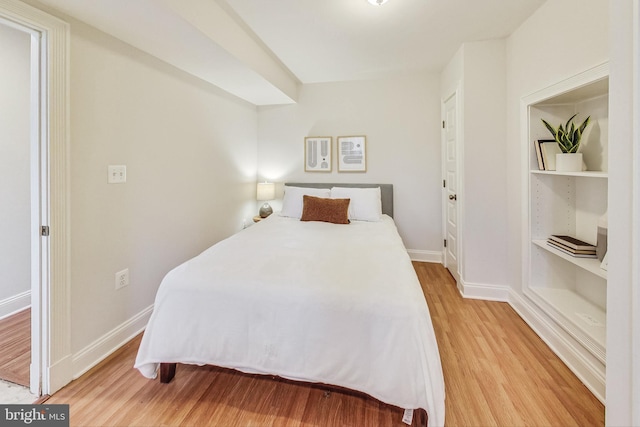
(444, 183)
(44, 230)
(443, 124)
(445, 243)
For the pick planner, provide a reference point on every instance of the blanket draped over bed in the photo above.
(308, 301)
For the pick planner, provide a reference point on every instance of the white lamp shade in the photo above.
(377, 2)
(266, 191)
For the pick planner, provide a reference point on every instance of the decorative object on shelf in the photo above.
(569, 162)
(265, 191)
(317, 153)
(548, 150)
(352, 154)
(568, 138)
(538, 150)
(605, 262)
(572, 246)
(601, 244)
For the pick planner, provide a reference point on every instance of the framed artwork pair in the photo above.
(351, 153)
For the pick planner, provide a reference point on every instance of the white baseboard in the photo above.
(590, 371)
(58, 375)
(425, 256)
(97, 351)
(483, 291)
(14, 304)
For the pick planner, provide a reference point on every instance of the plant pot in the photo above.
(569, 162)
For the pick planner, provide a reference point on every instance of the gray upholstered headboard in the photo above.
(386, 191)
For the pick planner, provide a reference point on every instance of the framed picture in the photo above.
(317, 153)
(352, 154)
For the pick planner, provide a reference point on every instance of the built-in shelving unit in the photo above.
(568, 293)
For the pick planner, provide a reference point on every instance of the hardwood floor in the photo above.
(15, 347)
(497, 373)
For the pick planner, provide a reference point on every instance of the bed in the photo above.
(311, 301)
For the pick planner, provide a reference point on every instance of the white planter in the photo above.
(569, 162)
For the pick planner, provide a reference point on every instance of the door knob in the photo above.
(453, 197)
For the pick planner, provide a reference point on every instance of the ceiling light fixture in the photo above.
(377, 2)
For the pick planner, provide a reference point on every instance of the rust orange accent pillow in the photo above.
(335, 211)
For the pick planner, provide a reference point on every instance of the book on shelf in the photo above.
(571, 242)
(538, 147)
(549, 149)
(570, 252)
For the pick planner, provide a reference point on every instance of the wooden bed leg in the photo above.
(422, 417)
(167, 372)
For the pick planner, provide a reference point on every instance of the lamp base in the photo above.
(265, 210)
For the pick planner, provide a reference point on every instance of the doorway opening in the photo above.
(48, 140)
(20, 188)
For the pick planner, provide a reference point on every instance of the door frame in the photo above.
(51, 366)
(457, 94)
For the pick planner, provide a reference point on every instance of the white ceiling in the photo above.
(335, 40)
(260, 50)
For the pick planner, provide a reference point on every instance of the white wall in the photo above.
(623, 300)
(537, 59)
(485, 221)
(452, 76)
(190, 152)
(400, 118)
(15, 207)
(478, 72)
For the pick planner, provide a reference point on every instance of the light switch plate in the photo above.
(117, 174)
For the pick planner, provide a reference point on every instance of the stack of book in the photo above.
(572, 246)
(546, 150)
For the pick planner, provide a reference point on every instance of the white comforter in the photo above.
(310, 301)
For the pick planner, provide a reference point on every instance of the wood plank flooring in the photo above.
(497, 373)
(15, 347)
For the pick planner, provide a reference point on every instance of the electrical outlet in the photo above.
(117, 174)
(122, 278)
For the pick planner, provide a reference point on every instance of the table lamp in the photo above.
(265, 191)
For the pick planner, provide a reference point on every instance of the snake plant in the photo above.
(568, 136)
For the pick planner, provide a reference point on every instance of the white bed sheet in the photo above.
(309, 301)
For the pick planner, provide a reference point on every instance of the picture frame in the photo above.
(318, 154)
(352, 153)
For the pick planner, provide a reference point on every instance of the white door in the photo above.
(450, 186)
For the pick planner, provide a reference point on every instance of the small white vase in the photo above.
(569, 162)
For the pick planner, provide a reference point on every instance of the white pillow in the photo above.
(292, 201)
(366, 203)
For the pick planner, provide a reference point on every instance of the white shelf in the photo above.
(586, 174)
(569, 294)
(587, 317)
(589, 264)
